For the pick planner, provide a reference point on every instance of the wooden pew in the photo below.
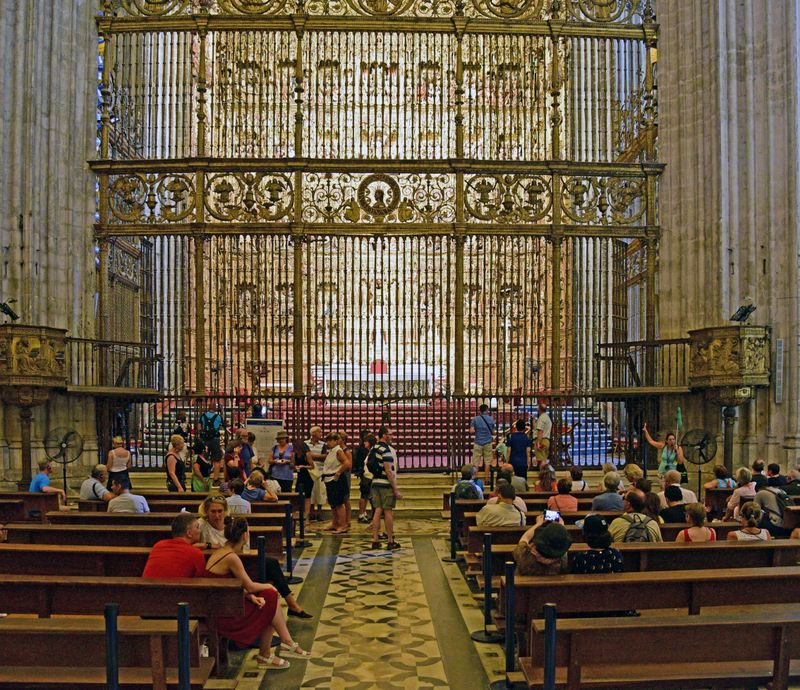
(715, 499)
(643, 557)
(74, 653)
(749, 649)
(36, 504)
(530, 496)
(175, 506)
(61, 517)
(199, 496)
(473, 506)
(791, 517)
(511, 535)
(100, 561)
(691, 590)
(12, 510)
(470, 519)
(123, 535)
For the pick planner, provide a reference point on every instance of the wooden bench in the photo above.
(191, 503)
(200, 496)
(752, 648)
(791, 517)
(12, 510)
(641, 557)
(122, 535)
(73, 652)
(511, 535)
(569, 518)
(530, 496)
(61, 517)
(36, 504)
(100, 561)
(716, 500)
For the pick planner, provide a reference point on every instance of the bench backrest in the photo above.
(36, 503)
(60, 517)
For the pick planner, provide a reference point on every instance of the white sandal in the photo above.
(294, 650)
(271, 662)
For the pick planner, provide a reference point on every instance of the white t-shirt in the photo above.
(237, 504)
(211, 535)
(319, 449)
(544, 425)
(128, 503)
(93, 490)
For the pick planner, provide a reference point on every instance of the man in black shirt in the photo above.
(676, 508)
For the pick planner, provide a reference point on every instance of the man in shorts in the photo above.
(543, 428)
(384, 488)
(484, 427)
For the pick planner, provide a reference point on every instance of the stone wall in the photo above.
(728, 108)
(48, 49)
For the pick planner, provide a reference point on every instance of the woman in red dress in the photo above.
(262, 613)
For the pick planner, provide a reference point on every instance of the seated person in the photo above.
(674, 477)
(722, 480)
(547, 479)
(562, 501)
(259, 482)
(41, 482)
(124, 501)
(633, 473)
(542, 550)
(178, 556)
(774, 476)
(262, 614)
(634, 504)
(520, 484)
(578, 482)
(503, 512)
(467, 488)
(745, 491)
(792, 486)
(494, 497)
(750, 517)
(609, 500)
(772, 499)
(697, 531)
(94, 488)
(213, 511)
(236, 504)
(758, 474)
(676, 508)
(225, 487)
(601, 556)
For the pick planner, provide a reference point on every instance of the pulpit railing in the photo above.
(642, 364)
(113, 364)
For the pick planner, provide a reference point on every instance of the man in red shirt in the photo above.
(178, 557)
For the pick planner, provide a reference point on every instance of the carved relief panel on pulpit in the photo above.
(32, 356)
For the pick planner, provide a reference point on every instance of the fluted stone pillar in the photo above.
(48, 49)
(728, 75)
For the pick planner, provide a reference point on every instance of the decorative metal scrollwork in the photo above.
(249, 197)
(604, 10)
(509, 9)
(508, 198)
(603, 200)
(396, 198)
(141, 198)
(155, 8)
(253, 7)
(381, 8)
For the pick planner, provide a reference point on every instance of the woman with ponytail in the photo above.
(262, 614)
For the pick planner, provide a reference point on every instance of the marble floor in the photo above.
(374, 624)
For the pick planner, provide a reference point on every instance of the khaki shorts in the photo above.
(482, 454)
(383, 497)
(541, 455)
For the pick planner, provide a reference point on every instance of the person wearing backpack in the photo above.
(466, 489)
(773, 501)
(634, 525)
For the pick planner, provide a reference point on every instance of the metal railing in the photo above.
(642, 364)
(116, 364)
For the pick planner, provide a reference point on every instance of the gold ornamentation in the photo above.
(249, 197)
(159, 198)
(254, 7)
(378, 195)
(603, 200)
(731, 356)
(604, 11)
(32, 356)
(509, 9)
(155, 8)
(508, 198)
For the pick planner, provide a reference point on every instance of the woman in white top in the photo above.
(333, 475)
(578, 482)
(750, 517)
(118, 462)
(744, 491)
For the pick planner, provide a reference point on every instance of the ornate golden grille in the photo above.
(378, 199)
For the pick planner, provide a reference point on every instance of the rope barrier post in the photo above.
(262, 558)
(112, 647)
(301, 543)
(549, 647)
(184, 677)
(485, 635)
(290, 578)
(510, 636)
(452, 558)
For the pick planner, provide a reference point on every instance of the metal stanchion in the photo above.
(549, 647)
(112, 647)
(184, 667)
(485, 635)
(262, 558)
(302, 542)
(452, 558)
(290, 578)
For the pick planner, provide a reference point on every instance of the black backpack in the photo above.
(466, 491)
(637, 532)
(782, 499)
(374, 464)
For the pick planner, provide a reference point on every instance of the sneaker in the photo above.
(375, 545)
(393, 546)
(363, 519)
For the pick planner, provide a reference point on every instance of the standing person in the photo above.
(671, 453)
(173, 464)
(519, 449)
(348, 511)
(209, 426)
(201, 469)
(246, 453)
(316, 453)
(124, 501)
(333, 469)
(543, 428)
(232, 459)
(41, 482)
(366, 443)
(483, 427)
(305, 482)
(118, 461)
(282, 461)
(182, 429)
(384, 488)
